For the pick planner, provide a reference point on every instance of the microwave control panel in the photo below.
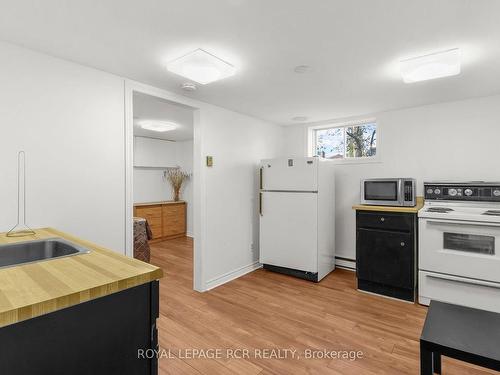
(481, 191)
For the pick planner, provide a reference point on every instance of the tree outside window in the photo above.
(346, 142)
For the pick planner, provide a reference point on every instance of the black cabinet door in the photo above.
(99, 337)
(385, 257)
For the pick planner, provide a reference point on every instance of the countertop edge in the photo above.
(411, 210)
(33, 310)
(20, 314)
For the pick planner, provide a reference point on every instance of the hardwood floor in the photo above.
(264, 310)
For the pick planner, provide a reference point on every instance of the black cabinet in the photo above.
(386, 253)
(101, 336)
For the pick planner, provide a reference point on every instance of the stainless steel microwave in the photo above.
(388, 192)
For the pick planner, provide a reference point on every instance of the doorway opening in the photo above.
(161, 133)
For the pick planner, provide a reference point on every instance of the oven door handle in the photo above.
(462, 223)
(465, 281)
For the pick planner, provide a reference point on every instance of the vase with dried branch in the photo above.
(176, 177)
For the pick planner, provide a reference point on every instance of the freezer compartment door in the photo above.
(288, 230)
(291, 174)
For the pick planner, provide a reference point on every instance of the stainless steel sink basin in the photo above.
(38, 250)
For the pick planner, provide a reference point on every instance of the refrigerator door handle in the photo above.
(260, 204)
(261, 181)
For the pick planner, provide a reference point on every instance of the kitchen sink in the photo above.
(38, 250)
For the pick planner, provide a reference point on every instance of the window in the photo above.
(351, 141)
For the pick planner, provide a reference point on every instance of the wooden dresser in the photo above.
(166, 219)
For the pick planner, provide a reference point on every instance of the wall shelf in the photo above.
(159, 168)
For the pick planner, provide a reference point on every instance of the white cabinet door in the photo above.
(288, 230)
(293, 174)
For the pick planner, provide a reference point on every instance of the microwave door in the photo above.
(382, 192)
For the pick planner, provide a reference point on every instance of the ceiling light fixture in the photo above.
(201, 67)
(157, 126)
(188, 86)
(434, 65)
(301, 69)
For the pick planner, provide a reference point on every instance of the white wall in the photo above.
(237, 143)
(224, 196)
(456, 140)
(152, 152)
(150, 184)
(70, 121)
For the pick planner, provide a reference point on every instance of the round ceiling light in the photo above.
(301, 69)
(188, 86)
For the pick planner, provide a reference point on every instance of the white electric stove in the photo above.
(459, 239)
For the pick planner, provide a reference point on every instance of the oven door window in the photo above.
(471, 243)
(381, 190)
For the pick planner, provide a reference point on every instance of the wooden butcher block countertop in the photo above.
(365, 207)
(35, 289)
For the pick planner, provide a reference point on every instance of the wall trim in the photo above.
(229, 276)
(198, 177)
(129, 168)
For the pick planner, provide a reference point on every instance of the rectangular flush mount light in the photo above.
(157, 126)
(434, 65)
(201, 66)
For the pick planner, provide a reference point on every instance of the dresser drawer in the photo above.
(153, 215)
(174, 219)
(166, 220)
(149, 212)
(173, 211)
(385, 221)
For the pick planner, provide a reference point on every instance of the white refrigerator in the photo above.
(297, 216)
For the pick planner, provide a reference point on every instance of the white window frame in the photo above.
(311, 140)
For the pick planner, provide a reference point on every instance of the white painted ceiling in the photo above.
(148, 107)
(353, 47)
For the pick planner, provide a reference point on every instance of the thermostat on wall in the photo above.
(210, 161)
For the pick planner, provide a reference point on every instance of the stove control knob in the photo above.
(437, 191)
(430, 191)
(468, 192)
(452, 192)
(496, 192)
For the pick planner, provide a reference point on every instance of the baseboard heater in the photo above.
(310, 276)
(345, 263)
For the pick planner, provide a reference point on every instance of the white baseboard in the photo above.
(345, 264)
(222, 279)
(189, 234)
(219, 280)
